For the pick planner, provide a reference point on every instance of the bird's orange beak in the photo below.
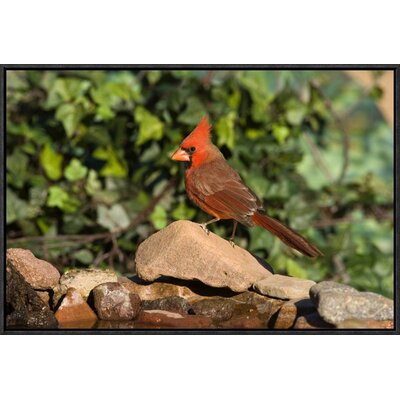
(180, 155)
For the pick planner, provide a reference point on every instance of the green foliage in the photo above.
(88, 164)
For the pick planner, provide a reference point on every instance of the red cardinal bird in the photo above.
(219, 191)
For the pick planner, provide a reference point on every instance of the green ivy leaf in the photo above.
(16, 208)
(113, 218)
(93, 184)
(75, 170)
(17, 164)
(85, 256)
(154, 76)
(69, 115)
(104, 113)
(254, 134)
(150, 126)
(193, 113)
(295, 269)
(296, 115)
(280, 132)
(159, 217)
(225, 130)
(114, 166)
(182, 211)
(59, 198)
(51, 162)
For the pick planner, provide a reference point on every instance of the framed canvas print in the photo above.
(199, 198)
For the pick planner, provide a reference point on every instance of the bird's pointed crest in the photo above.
(202, 132)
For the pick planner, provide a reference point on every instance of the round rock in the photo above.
(114, 302)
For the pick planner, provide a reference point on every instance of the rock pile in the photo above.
(185, 279)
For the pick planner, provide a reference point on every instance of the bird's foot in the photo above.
(232, 243)
(204, 227)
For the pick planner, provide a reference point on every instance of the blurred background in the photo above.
(89, 174)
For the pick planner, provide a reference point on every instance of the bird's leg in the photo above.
(233, 233)
(204, 226)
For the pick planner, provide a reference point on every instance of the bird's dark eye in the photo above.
(192, 149)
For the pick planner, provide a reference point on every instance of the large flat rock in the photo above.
(183, 250)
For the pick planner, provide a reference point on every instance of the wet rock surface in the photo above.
(365, 324)
(114, 302)
(284, 287)
(171, 303)
(218, 309)
(336, 302)
(24, 308)
(285, 317)
(243, 322)
(38, 273)
(166, 319)
(183, 250)
(312, 321)
(74, 312)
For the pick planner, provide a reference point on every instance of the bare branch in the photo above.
(341, 127)
(318, 157)
(340, 268)
(107, 236)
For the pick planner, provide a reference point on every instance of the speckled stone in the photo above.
(336, 302)
(114, 302)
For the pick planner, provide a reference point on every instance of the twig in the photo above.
(324, 223)
(108, 236)
(340, 268)
(318, 157)
(340, 125)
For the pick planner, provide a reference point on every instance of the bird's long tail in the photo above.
(287, 235)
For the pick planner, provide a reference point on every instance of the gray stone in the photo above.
(184, 251)
(284, 287)
(113, 302)
(336, 302)
(38, 273)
